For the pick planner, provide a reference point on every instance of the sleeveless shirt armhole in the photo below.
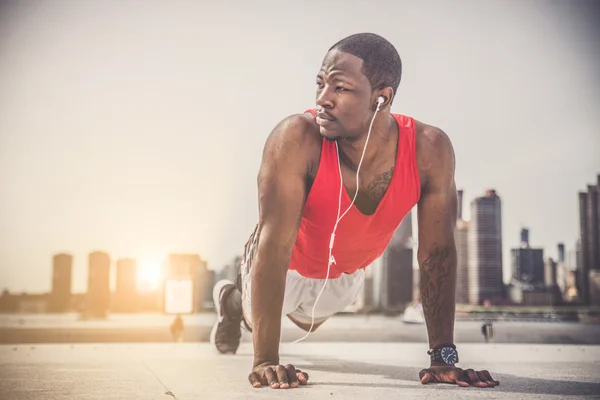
(415, 163)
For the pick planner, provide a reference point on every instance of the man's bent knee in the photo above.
(305, 326)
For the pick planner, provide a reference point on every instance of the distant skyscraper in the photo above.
(461, 239)
(589, 238)
(524, 237)
(561, 252)
(562, 269)
(193, 267)
(594, 288)
(550, 273)
(125, 290)
(98, 294)
(60, 297)
(527, 264)
(397, 269)
(485, 249)
(462, 255)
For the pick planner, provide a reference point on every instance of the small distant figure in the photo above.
(487, 329)
(177, 329)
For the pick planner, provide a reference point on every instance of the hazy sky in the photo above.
(136, 127)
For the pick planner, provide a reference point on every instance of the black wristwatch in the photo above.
(445, 353)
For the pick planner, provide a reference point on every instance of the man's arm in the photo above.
(437, 256)
(282, 193)
(437, 211)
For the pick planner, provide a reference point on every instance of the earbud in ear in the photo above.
(380, 101)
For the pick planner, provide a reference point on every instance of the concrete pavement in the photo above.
(337, 370)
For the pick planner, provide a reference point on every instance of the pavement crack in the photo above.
(167, 391)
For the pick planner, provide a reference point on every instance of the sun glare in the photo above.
(149, 275)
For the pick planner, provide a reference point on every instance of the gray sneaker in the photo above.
(226, 332)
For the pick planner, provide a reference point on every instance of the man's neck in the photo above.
(351, 150)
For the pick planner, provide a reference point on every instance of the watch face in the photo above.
(449, 355)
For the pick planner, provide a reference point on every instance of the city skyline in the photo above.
(153, 270)
(141, 138)
(390, 283)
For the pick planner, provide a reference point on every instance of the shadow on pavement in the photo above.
(508, 383)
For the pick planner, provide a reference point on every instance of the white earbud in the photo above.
(380, 101)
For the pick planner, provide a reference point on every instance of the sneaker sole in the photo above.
(217, 301)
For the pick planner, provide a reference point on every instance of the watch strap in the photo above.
(436, 353)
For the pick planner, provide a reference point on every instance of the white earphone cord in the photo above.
(331, 259)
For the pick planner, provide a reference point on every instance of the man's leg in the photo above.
(338, 294)
(227, 296)
(226, 332)
(304, 325)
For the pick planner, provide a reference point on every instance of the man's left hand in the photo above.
(458, 376)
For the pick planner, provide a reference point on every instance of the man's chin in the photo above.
(328, 135)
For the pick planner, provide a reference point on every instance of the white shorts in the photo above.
(301, 292)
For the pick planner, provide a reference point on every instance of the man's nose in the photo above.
(324, 99)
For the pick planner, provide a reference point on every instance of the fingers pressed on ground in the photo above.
(461, 378)
(426, 377)
(489, 378)
(484, 379)
(271, 378)
(255, 380)
(474, 379)
(291, 375)
(302, 377)
(282, 377)
(462, 383)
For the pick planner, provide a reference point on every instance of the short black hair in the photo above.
(381, 62)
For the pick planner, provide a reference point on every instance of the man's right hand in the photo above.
(277, 376)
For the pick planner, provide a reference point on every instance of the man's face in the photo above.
(344, 97)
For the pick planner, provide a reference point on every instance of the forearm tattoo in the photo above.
(434, 281)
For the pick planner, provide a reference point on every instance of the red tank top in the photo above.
(359, 239)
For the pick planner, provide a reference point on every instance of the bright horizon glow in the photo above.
(112, 121)
(149, 274)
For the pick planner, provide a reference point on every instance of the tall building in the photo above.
(563, 267)
(125, 299)
(98, 294)
(462, 255)
(561, 252)
(589, 239)
(193, 267)
(524, 237)
(60, 297)
(594, 288)
(485, 249)
(534, 282)
(527, 263)
(396, 286)
(551, 273)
